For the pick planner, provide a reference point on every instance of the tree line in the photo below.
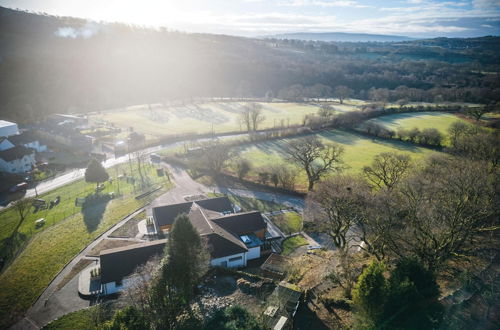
(90, 74)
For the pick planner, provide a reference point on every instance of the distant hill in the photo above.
(341, 36)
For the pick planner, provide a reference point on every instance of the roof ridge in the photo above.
(204, 216)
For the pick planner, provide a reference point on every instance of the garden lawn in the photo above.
(421, 120)
(290, 244)
(359, 152)
(83, 319)
(288, 222)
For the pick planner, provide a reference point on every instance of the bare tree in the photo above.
(387, 169)
(244, 118)
(336, 205)
(216, 155)
(325, 111)
(342, 92)
(478, 112)
(314, 157)
(436, 213)
(22, 207)
(141, 158)
(256, 115)
(242, 166)
(346, 273)
(252, 116)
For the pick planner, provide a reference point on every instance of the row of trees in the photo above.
(181, 66)
(425, 137)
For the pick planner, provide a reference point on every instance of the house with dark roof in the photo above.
(17, 159)
(232, 238)
(118, 264)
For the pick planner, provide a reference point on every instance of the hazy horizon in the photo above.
(253, 18)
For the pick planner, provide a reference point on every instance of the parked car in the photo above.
(19, 187)
(155, 158)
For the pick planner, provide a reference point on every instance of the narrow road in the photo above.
(54, 303)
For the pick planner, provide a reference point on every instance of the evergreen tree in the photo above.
(95, 172)
(413, 297)
(233, 318)
(370, 293)
(187, 257)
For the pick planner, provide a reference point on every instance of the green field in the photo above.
(58, 242)
(359, 152)
(421, 120)
(198, 118)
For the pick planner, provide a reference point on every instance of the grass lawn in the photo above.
(49, 250)
(68, 193)
(84, 319)
(288, 222)
(161, 120)
(422, 120)
(290, 244)
(359, 152)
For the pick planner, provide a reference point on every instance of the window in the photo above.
(119, 283)
(235, 259)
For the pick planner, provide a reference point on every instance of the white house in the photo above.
(18, 159)
(117, 265)
(29, 140)
(232, 239)
(7, 128)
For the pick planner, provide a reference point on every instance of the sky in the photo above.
(414, 18)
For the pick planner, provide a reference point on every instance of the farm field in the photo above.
(158, 120)
(421, 120)
(359, 151)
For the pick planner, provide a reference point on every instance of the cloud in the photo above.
(486, 4)
(324, 3)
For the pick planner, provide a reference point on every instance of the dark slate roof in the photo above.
(121, 262)
(217, 204)
(165, 215)
(23, 138)
(221, 243)
(222, 232)
(16, 152)
(221, 247)
(242, 223)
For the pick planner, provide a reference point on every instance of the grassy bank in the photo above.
(49, 250)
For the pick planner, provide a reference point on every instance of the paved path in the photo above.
(55, 303)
